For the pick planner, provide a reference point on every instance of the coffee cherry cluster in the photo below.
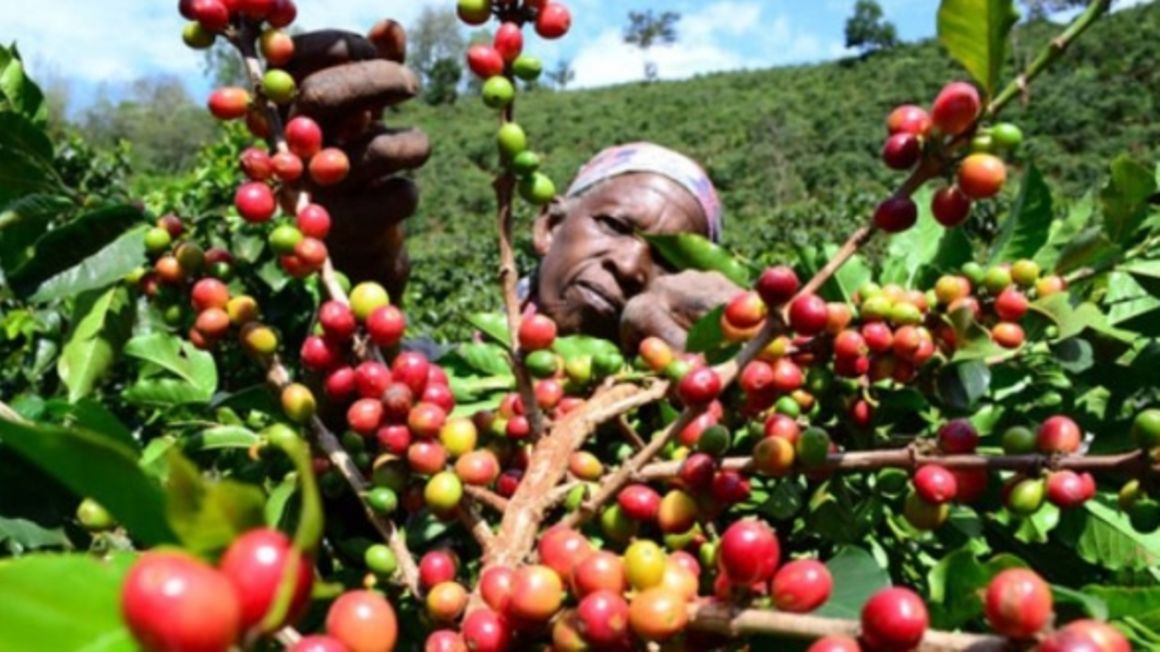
(949, 134)
(504, 61)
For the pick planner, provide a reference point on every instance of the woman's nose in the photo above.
(630, 261)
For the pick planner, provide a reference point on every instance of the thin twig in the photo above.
(487, 498)
(629, 432)
(468, 514)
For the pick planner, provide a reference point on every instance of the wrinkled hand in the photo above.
(345, 82)
(671, 305)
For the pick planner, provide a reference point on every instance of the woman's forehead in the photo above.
(648, 198)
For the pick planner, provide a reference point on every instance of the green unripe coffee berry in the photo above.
(974, 273)
(527, 67)
(1146, 429)
(383, 500)
(997, 279)
(923, 515)
(157, 240)
(443, 491)
(380, 560)
(93, 517)
(714, 441)
(537, 189)
(197, 37)
(982, 144)
(526, 163)
(511, 140)
(1145, 515)
(542, 363)
(1026, 497)
(617, 525)
(279, 86)
(606, 364)
(284, 238)
(813, 447)
(787, 406)
(1019, 440)
(579, 369)
(1007, 135)
(498, 92)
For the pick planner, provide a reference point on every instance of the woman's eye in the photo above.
(614, 224)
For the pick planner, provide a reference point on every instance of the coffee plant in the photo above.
(211, 440)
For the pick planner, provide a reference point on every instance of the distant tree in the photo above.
(562, 75)
(646, 29)
(868, 30)
(443, 82)
(1038, 9)
(434, 41)
(165, 127)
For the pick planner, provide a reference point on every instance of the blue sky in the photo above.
(110, 43)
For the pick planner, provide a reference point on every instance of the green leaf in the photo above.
(955, 584)
(222, 437)
(23, 222)
(485, 358)
(1103, 536)
(25, 159)
(974, 33)
(66, 247)
(1063, 232)
(63, 602)
(175, 373)
(962, 384)
(1127, 602)
(1146, 273)
(974, 341)
(916, 247)
(93, 416)
(208, 515)
(691, 251)
(1091, 605)
(1125, 198)
(1089, 248)
(492, 324)
(22, 534)
(706, 334)
(102, 322)
(107, 266)
(95, 466)
(848, 279)
(1028, 224)
(17, 90)
(857, 576)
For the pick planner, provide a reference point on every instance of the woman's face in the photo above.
(593, 260)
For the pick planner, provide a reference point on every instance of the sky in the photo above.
(106, 44)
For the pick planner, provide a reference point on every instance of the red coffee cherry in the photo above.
(894, 620)
(604, 617)
(314, 221)
(364, 416)
(256, 164)
(699, 387)
(337, 320)
(495, 585)
(372, 379)
(955, 108)
(835, 643)
(329, 166)
(1018, 603)
(640, 502)
(436, 567)
(229, 103)
(485, 61)
(537, 594)
(599, 571)
(1007, 335)
(1059, 434)
(950, 206)
(958, 437)
(749, 552)
(658, 614)
(255, 202)
(256, 563)
(537, 332)
(901, 151)
(318, 643)
(363, 621)
(561, 548)
(173, 601)
(1011, 305)
(509, 41)
(209, 293)
(1068, 489)
(908, 119)
(303, 137)
(486, 631)
(896, 214)
(801, 586)
(288, 167)
(553, 21)
(935, 484)
(776, 285)
(808, 315)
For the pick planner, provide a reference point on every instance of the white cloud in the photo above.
(721, 36)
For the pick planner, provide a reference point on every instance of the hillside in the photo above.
(792, 150)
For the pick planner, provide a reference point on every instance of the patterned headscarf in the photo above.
(647, 157)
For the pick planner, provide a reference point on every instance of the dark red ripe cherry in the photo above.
(971, 484)
(908, 119)
(1018, 603)
(485, 61)
(256, 164)
(699, 387)
(756, 378)
(1067, 489)
(317, 354)
(394, 439)
(255, 202)
(304, 137)
(955, 108)
(850, 344)
(537, 332)
(436, 567)
(364, 415)
(604, 618)
(1059, 434)
(697, 471)
(809, 314)
(212, 14)
(950, 206)
(386, 326)
(440, 395)
(901, 151)
(801, 586)
(896, 214)
(935, 484)
(958, 437)
(777, 285)
(412, 369)
(314, 221)
(372, 379)
(495, 585)
(878, 337)
(730, 487)
(894, 620)
(340, 384)
(173, 601)
(553, 21)
(748, 552)
(509, 41)
(486, 631)
(640, 502)
(256, 563)
(398, 399)
(337, 320)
